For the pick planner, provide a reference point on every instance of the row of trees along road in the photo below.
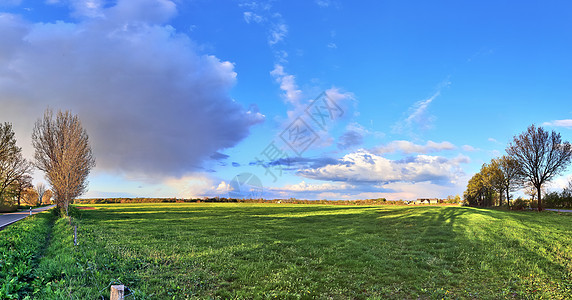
(62, 152)
(533, 158)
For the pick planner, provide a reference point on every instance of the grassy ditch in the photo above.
(21, 246)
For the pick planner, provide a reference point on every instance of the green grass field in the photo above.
(179, 251)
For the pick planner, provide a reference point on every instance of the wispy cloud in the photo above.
(417, 117)
(469, 148)
(567, 123)
(292, 94)
(328, 3)
(278, 32)
(408, 147)
(252, 17)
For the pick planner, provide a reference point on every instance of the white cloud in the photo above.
(323, 3)
(223, 188)
(363, 166)
(306, 187)
(390, 191)
(278, 32)
(492, 140)
(10, 2)
(328, 3)
(332, 46)
(150, 103)
(197, 186)
(410, 147)
(252, 17)
(292, 95)
(559, 123)
(469, 148)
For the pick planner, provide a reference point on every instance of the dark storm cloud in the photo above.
(151, 103)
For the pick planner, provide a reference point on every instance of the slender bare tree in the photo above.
(512, 175)
(41, 189)
(541, 156)
(13, 166)
(64, 153)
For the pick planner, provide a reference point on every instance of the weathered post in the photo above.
(117, 292)
(30, 211)
(75, 235)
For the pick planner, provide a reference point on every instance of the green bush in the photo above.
(519, 204)
(6, 207)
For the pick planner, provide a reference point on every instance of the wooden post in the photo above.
(117, 292)
(75, 235)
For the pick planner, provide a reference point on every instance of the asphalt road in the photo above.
(7, 219)
(560, 210)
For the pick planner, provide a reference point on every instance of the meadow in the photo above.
(206, 250)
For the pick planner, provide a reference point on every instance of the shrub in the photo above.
(519, 204)
(6, 207)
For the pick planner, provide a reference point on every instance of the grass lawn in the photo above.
(178, 251)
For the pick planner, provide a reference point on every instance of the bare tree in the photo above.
(41, 189)
(64, 154)
(541, 156)
(512, 175)
(14, 168)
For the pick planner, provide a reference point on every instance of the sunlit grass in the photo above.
(319, 251)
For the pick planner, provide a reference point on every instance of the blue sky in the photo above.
(200, 98)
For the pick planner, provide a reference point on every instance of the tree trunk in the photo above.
(508, 198)
(539, 198)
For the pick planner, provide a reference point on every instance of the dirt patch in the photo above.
(85, 207)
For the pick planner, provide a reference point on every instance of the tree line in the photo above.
(62, 152)
(532, 159)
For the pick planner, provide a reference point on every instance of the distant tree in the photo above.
(479, 191)
(14, 168)
(30, 196)
(453, 199)
(7, 141)
(530, 190)
(64, 153)
(568, 188)
(20, 186)
(41, 190)
(495, 178)
(512, 175)
(541, 156)
(47, 197)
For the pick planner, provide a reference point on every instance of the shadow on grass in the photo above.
(247, 251)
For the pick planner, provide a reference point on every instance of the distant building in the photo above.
(428, 201)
